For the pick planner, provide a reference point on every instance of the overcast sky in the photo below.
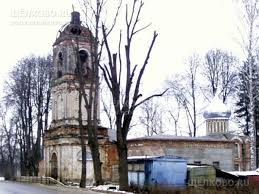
(184, 27)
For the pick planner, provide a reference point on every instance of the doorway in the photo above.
(54, 166)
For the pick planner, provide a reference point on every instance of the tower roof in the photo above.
(72, 29)
(216, 109)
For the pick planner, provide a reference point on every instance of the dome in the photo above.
(73, 29)
(216, 109)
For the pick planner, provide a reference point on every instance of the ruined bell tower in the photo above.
(72, 38)
(62, 146)
(62, 150)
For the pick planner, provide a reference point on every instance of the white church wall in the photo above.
(69, 162)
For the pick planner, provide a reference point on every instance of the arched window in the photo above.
(59, 64)
(59, 74)
(237, 150)
(83, 56)
(60, 58)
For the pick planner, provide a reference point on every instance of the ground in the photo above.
(8, 187)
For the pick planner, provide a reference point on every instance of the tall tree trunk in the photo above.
(82, 141)
(97, 163)
(194, 109)
(91, 109)
(123, 165)
(93, 142)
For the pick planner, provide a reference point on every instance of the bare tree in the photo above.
(192, 74)
(93, 11)
(213, 66)
(151, 117)
(185, 90)
(108, 108)
(28, 95)
(174, 112)
(114, 75)
(9, 148)
(219, 70)
(90, 98)
(249, 44)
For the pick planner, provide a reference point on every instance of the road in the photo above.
(7, 187)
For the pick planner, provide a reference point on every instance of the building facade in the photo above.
(62, 148)
(196, 150)
(219, 147)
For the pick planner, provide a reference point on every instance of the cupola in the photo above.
(217, 117)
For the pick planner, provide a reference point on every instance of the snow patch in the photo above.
(110, 189)
(217, 109)
(244, 173)
(217, 105)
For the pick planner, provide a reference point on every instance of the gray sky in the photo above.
(184, 27)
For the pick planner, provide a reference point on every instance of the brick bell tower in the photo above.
(62, 150)
(64, 91)
(62, 147)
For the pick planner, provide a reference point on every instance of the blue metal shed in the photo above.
(165, 171)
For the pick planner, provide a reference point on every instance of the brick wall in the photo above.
(206, 152)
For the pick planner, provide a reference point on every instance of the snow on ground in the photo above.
(109, 189)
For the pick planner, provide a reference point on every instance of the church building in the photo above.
(219, 147)
(62, 148)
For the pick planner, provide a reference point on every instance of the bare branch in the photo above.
(106, 77)
(136, 91)
(120, 59)
(115, 18)
(136, 19)
(148, 98)
(143, 28)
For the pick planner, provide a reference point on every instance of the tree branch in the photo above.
(148, 98)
